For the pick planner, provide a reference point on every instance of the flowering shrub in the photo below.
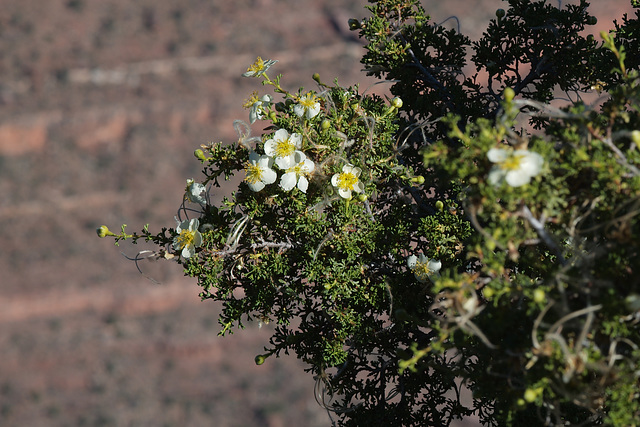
(455, 234)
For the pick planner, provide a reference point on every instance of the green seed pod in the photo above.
(200, 155)
(509, 94)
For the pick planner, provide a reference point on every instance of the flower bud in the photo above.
(418, 179)
(354, 24)
(272, 116)
(488, 292)
(500, 13)
(316, 77)
(200, 155)
(396, 102)
(439, 205)
(509, 94)
(592, 20)
(530, 394)
(326, 124)
(635, 136)
(103, 231)
(259, 359)
(362, 197)
(539, 295)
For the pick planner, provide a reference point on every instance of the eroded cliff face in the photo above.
(101, 105)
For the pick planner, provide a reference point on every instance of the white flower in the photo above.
(516, 167)
(257, 106)
(297, 174)
(259, 172)
(259, 67)
(348, 181)
(424, 268)
(282, 146)
(194, 192)
(308, 105)
(188, 238)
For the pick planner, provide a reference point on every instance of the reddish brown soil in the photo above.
(101, 105)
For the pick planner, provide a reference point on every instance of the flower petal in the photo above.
(303, 184)
(434, 266)
(298, 110)
(288, 181)
(517, 178)
(285, 162)
(308, 166)
(256, 186)
(496, 175)
(269, 176)
(411, 261)
(296, 140)
(313, 111)
(497, 155)
(345, 194)
(531, 163)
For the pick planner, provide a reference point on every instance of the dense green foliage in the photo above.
(475, 232)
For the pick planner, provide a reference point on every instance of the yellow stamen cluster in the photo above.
(308, 101)
(257, 66)
(185, 238)
(284, 148)
(254, 173)
(512, 162)
(422, 270)
(251, 100)
(347, 181)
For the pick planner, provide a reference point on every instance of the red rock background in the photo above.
(102, 103)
